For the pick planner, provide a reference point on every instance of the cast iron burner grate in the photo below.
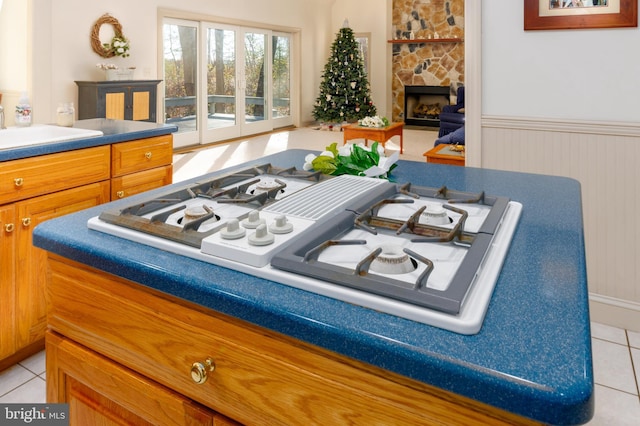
(304, 257)
(230, 188)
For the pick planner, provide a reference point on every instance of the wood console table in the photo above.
(380, 134)
(442, 154)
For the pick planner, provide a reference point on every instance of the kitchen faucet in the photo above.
(2, 118)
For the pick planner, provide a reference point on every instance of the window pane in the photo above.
(363, 47)
(281, 71)
(254, 45)
(221, 78)
(180, 76)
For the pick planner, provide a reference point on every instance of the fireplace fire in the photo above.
(423, 104)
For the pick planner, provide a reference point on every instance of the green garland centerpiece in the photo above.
(374, 121)
(358, 160)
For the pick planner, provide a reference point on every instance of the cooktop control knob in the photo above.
(253, 220)
(262, 237)
(233, 231)
(281, 225)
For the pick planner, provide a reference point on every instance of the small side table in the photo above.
(443, 154)
(380, 134)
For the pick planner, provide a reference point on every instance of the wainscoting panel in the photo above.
(605, 158)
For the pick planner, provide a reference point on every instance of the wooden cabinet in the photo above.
(244, 372)
(140, 165)
(36, 189)
(33, 190)
(118, 100)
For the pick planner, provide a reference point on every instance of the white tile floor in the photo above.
(616, 352)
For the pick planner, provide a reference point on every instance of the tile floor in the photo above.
(616, 352)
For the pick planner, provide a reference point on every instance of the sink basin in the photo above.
(37, 134)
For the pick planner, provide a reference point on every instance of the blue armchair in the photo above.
(452, 116)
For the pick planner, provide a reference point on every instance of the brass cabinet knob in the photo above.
(200, 371)
(18, 182)
(120, 194)
(147, 155)
(26, 221)
(9, 227)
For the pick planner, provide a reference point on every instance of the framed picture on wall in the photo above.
(578, 14)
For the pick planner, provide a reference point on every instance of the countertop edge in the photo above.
(115, 131)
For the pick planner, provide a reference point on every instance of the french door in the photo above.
(224, 81)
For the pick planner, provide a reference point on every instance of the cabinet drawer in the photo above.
(260, 377)
(99, 390)
(29, 177)
(143, 154)
(135, 183)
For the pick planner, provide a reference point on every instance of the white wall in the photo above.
(64, 27)
(565, 103)
(565, 74)
(15, 42)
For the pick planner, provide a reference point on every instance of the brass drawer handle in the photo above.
(147, 155)
(120, 194)
(18, 182)
(9, 227)
(200, 371)
(26, 221)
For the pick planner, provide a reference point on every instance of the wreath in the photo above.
(119, 45)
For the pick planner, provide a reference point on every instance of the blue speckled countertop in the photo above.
(531, 357)
(113, 131)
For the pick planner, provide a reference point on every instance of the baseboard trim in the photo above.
(614, 312)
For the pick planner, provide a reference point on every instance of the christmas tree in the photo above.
(344, 91)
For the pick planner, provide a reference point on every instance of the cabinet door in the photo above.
(31, 262)
(115, 105)
(141, 104)
(7, 278)
(102, 392)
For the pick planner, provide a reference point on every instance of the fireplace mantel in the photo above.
(428, 40)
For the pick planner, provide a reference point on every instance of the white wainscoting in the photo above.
(605, 158)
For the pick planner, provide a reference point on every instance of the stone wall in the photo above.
(428, 61)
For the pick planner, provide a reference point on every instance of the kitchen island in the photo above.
(268, 353)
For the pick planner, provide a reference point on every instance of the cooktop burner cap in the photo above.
(392, 260)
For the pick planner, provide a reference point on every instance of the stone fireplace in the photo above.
(423, 104)
(428, 50)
